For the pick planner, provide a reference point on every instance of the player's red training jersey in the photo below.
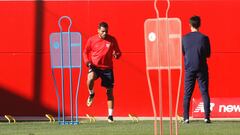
(100, 51)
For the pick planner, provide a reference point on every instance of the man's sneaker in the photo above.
(90, 99)
(207, 120)
(110, 119)
(186, 121)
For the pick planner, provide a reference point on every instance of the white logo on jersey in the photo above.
(200, 107)
(108, 44)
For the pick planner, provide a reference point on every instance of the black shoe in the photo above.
(186, 121)
(110, 119)
(90, 99)
(207, 120)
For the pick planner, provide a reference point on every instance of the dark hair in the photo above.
(195, 21)
(102, 24)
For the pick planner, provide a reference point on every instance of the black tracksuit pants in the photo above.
(189, 83)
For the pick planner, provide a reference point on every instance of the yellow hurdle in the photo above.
(50, 117)
(10, 118)
(91, 118)
(133, 117)
(180, 119)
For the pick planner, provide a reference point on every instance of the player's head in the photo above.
(102, 30)
(195, 22)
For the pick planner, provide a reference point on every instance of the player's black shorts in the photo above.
(106, 76)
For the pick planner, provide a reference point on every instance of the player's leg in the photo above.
(108, 82)
(110, 103)
(189, 83)
(203, 84)
(90, 84)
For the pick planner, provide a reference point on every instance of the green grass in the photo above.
(118, 128)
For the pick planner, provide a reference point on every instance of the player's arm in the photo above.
(183, 51)
(116, 51)
(86, 53)
(207, 47)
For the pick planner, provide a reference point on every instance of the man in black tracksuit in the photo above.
(196, 50)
